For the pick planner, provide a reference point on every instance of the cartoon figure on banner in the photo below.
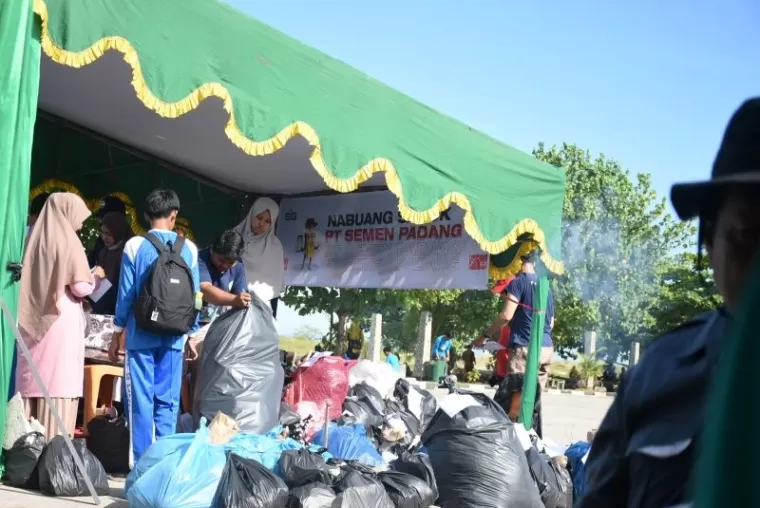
(310, 244)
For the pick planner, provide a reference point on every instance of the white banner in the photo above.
(359, 240)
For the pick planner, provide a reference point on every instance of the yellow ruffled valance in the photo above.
(189, 103)
(55, 185)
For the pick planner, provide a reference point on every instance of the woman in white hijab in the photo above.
(263, 258)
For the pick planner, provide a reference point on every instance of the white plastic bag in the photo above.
(379, 376)
(16, 424)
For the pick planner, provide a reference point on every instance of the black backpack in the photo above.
(166, 304)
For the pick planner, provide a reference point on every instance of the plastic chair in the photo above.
(98, 386)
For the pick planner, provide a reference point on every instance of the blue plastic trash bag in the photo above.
(349, 442)
(179, 480)
(264, 449)
(575, 454)
(160, 450)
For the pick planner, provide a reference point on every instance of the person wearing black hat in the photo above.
(109, 204)
(644, 450)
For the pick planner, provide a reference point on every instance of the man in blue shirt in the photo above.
(518, 313)
(222, 276)
(442, 347)
(392, 359)
(153, 363)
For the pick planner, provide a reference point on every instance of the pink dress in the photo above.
(59, 356)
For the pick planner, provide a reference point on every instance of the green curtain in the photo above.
(726, 473)
(19, 85)
(534, 349)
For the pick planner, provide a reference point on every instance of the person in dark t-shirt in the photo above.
(518, 313)
(222, 276)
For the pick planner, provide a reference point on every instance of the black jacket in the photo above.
(643, 452)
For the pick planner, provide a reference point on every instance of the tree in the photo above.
(617, 241)
(464, 313)
(309, 332)
(346, 304)
(685, 292)
(590, 368)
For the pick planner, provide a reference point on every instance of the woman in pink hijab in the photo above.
(55, 279)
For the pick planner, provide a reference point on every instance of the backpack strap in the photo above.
(178, 244)
(155, 241)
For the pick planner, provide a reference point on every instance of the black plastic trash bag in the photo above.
(59, 475)
(362, 413)
(108, 440)
(240, 372)
(313, 495)
(393, 406)
(478, 460)
(423, 406)
(545, 477)
(369, 396)
(514, 383)
(21, 461)
(361, 490)
(417, 464)
(406, 490)
(288, 415)
(247, 484)
(299, 467)
(564, 483)
(411, 422)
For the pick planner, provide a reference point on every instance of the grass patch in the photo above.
(298, 346)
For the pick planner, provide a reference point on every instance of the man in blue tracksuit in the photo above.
(153, 363)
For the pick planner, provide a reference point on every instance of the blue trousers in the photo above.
(153, 378)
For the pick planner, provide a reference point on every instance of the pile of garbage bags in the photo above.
(269, 471)
(377, 454)
(33, 463)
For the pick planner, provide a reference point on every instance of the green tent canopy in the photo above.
(248, 107)
(233, 103)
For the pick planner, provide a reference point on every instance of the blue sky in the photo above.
(651, 84)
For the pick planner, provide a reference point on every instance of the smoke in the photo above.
(611, 273)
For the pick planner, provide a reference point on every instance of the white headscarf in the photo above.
(263, 258)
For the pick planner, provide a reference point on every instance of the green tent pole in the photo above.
(534, 349)
(19, 86)
(726, 471)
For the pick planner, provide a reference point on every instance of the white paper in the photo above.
(523, 436)
(316, 356)
(456, 402)
(101, 289)
(414, 402)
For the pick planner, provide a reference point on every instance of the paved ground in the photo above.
(567, 418)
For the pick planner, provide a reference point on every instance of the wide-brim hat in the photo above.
(737, 163)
